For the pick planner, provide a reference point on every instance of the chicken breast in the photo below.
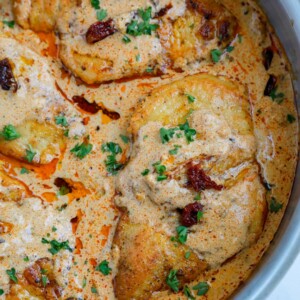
(193, 176)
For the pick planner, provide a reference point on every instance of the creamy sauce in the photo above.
(273, 141)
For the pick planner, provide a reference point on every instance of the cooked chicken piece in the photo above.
(146, 258)
(37, 282)
(193, 165)
(37, 143)
(151, 39)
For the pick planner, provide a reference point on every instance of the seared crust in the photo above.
(146, 258)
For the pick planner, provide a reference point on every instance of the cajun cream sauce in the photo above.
(87, 216)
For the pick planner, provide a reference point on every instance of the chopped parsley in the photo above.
(191, 98)
(111, 163)
(126, 39)
(149, 70)
(138, 58)
(1, 292)
(136, 28)
(199, 215)
(229, 49)
(240, 38)
(124, 138)
(24, 171)
(187, 255)
(172, 281)
(182, 233)
(160, 170)
(30, 154)
(201, 288)
(277, 97)
(188, 132)
(101, 14)
(61, 120)
(275, 206)
(44, 280)
(54, 229)
(26, 259)
(95, 4)
(188, 293)
(57, 246)
(94, 290)
(9, 133)
(197, 197)
(10, 24)
(145, 172)
(175, 150)
(84, 282)
(82, 150)
(63, 190)
(290, 118)
(166, 134)
(216, 55)
(103, 267)
(12, 275)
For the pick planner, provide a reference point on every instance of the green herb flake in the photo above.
(138, 58)
(275, 206)
(26, 259)
(94, 290)
(63, 190)
(277, 97)
(187, 255)
(95, 4)
(145, 172)
(188, 293)
(240, 38)
(149, 70)
(30, 154)
(124, 138)
(111, 147)
(191, 98)
(199, 215)
(229, 49)
(61, 120)
(216, 55)
(111, 163)
(126, 39)
(175, 150)
(82, 150)
(197, 197)
(188, 132)
(101, 14)
(290, 118)
(10, 24)
(9, 133)
(103, 267)
(136, 28)
(201, 288)
(12, 275)
(24, 171)
(57, 246)
(161, 177)
(172, 281)
(166, 134)
(54, 229)
(84, 282)
(44, 280)
(1, 292)
(182, 233)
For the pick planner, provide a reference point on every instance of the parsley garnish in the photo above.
(149, 70)
(44, 280)
(191, 98)
(57, 246)
(175, 150)
(84, 282)
(290, 118)
(182, 233)
(124, 138)
(1, 292)
(166, 134)
(111, 163)
(197, 197)
(61, 120)
(138, 58)
(240, 38)
(101, 14)
(136, 28)
(216, 55)
(82, 150)
(275, 206)
(30, 154)
(12, 275)
(26, 259)
(160, 170)
(199, 215)
(145, 172)
(229, 49)
(103, 268)
(202, 288)
(63, 190)
(188, 132)
(94, 290)
(95, 4)
(172, 281)
(188, 293)
(10, 24)
(277, 97)
(126, 39)
(9, 133)
(187, 255)
(24, 171)
(54, 229)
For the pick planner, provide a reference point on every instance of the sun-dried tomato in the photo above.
(199, 181)
(99, 31)
(190, 213)
(271, 84)
(7, 79)
(268, 55)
